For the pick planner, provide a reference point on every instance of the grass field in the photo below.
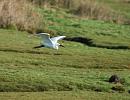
(64, 95)
(73, 68)
(75, 72)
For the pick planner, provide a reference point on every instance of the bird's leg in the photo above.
(39, 46)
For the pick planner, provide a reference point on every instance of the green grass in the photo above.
(75, 67)
(64, 95)
(96, 30)
(76, 72)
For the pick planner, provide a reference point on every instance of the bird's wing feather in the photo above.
(55, 39)
(45, 37)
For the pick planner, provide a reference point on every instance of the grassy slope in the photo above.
(64, 95)
(95, 30)
(75, 67)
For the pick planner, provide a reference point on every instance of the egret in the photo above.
(49, 42)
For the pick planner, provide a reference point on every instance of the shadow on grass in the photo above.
(90, 43)
(29, 51)
(22, 51)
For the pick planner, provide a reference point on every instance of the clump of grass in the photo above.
(19, 14)
(126, 1)
(93, 10)
(89, 9)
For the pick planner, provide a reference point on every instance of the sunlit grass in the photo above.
(75, 67)
(77, 71)
(64, 95)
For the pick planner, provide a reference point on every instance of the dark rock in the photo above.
(114, 79)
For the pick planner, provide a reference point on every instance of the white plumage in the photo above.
(50, 42)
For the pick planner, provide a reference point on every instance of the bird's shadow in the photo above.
(90, 43)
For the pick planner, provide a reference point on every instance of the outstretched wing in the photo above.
(45, 38)
(55, 39)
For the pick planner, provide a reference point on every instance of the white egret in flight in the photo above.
(50, 42)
